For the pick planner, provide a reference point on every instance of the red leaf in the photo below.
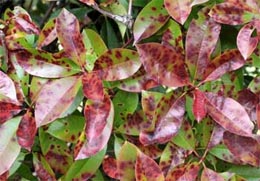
(146, 168)
(163, 64)
(199, 109)
(109, 166)
(244, 148)
(229, 114)
(209, 175)
(99, 122)
(4, 176)
(258, 115)
(7, 111)
(26, 131)
(216, 136)
(201, 40)
(68, 31)
(92, 86)
(41, 166)
(245, 43)
(228, 61)
(168, 122)
(48, 34)
(88, 2)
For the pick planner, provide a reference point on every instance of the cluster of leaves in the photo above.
(83, 103)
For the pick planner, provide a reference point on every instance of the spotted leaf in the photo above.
(163, 64)
(228, 61)
(208, 175)
(117, 64)
(92, 86)
(109, 166)
(147, 169)
(254, 85)
(99, 122)
(44, 64)
(26, 131)
(168, 122)
(68, 31)
(55, 98)
(152, 17)
(7, 111)
(229, 114)
(181, 9)
(216, 136)
(245, 149)
(42, 168)
(7, 89)
(199, 109)
(201, 40)
(48, 34)
(258, 115)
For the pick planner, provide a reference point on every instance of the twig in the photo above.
(48, 13)
(2, 39)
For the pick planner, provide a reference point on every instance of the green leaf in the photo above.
(248, 172)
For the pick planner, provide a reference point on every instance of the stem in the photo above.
(204, 156)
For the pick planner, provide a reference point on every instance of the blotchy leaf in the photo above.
(228, 61)
(245, 43)
(44, 64)
(7, 89)
(258, 115)
(245, 149)
(48, 34)
(229, 114)
(168, 122)
(9, 147)
(181, 9)
(216, 136)
(163, 64)
(109, 166)
(152, 17)
(55, 98)
(68, 30)
(254, 85)
(184, 172)
(117, 64)
(42, 168)
(92, 86)
(7, 111)
(88, 2)
(27, 131)
(147, 169)
(209, 175)
(99, 122)
(199, 109)
(201, 40)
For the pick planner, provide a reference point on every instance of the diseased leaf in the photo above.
(199, 109)
(208, 175)
(254, 85)
(245, 43)
(245, 149)
(36, 85)
(152, 17)
(7, 89)
(44, 64)
(26, 131)
(229, 114)
(55, 98)
(92, 86)
(88, 2)
(68, 31)
(8, 110)
(147, 169)
(168, 123)
(258, 115)
(48, 34)
(181, 9)
(228, 61)
(216, 136)
(109, 166)
(117, 64)
(201, 40)
(163, 64)
(9, 147)
(42, 168)
(204, 132)
(99, 122)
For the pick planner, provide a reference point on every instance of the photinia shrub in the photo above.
(131, 90)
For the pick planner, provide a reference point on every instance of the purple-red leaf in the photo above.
(7, 111)
(117, 64)
(88, 2)
(147, 169)
(92, 86)
(228, 61)
(68, 31)
(198, 108)
(245, 43)
(258, 115)
(229, 114)
(216, 136)
(55, 98)
(168, 120)
(210, 175)
(245, 149)
(109, 166)
(163, 64)
(99, 117)
(201, 40)
(26, 131)
(48, 34)
(181, 9)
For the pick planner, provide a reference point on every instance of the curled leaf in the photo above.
(199, 109)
